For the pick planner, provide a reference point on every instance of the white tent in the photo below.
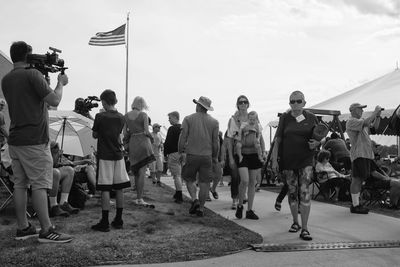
(383, 91)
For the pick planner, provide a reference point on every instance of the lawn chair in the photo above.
(6, 188)
(371, 196)
(317, 186)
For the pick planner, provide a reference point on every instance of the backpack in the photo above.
(77, 196)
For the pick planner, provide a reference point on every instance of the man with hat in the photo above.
(156, 167)
(361, 152)
(199, 141)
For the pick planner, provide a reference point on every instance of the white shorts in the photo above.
(157, 166)
(111, 174)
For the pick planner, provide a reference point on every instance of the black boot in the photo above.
(178, 198)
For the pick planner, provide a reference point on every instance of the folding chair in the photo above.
(6, 188)
(370, 195)
(316, 184)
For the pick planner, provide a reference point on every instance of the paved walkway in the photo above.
(327, 223)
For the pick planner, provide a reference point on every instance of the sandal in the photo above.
(294, 228)
(305, 235)
(278, 205)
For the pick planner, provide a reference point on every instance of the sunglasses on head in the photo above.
(243, 102)
(299, 101)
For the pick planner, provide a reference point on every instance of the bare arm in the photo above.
(215, 143)
(274, 154)
(374, 119)
(54, 98)
(183, 137)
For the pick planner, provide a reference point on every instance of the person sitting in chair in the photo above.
(380, 180)
(340, 155)
(333, 179)
(63, 175)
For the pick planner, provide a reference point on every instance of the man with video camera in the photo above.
(28, 94)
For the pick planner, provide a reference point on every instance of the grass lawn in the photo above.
(164, 234)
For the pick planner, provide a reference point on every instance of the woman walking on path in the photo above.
(250, 152)
(295, 148)
(240, 116)
(138, 138)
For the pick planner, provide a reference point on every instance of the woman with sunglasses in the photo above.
(295, 149)
(243, 173)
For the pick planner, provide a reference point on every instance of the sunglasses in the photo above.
(299, 101)
(243, 102)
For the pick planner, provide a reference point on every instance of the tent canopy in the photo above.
(383, 91)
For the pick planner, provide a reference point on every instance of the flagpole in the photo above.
(127, 63)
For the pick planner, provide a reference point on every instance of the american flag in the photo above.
(115, 37)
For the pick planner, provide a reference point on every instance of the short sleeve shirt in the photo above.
(338, 148)
(361, 145)
(24, 91)
(294, 152)
(109, 125)
(200, 135)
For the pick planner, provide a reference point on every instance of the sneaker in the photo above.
(68, 208)
(101, 226)
(51, 236)
(278, 205)
(195, 206)
(221, 183)
(251, 215)
(117, 224)
(200, 213)
(26, 233)
(143, 203)
(208, 198)
(239, 212)
(214, 194)
(57, 211)
(359, 209)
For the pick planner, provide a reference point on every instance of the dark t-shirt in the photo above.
(24, 91)
(338, 148)
(294, 152)
(172, 139)
(109, 125)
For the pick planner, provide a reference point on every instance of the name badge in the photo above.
(300, 118)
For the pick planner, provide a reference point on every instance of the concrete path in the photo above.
(327, 223)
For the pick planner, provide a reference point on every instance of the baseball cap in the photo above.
(356, 105)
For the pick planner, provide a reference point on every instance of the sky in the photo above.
(180, 50)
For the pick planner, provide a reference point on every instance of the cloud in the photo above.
(389, 8)
(386, 34)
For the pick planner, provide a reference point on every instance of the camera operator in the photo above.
(80, 108)
(84, 106)
(27, 94)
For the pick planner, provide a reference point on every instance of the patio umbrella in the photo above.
(72, 131)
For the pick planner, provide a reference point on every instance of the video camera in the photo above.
(49, 62)
(83, 106)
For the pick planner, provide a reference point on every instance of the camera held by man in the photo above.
(84, 106)
(45, 63)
